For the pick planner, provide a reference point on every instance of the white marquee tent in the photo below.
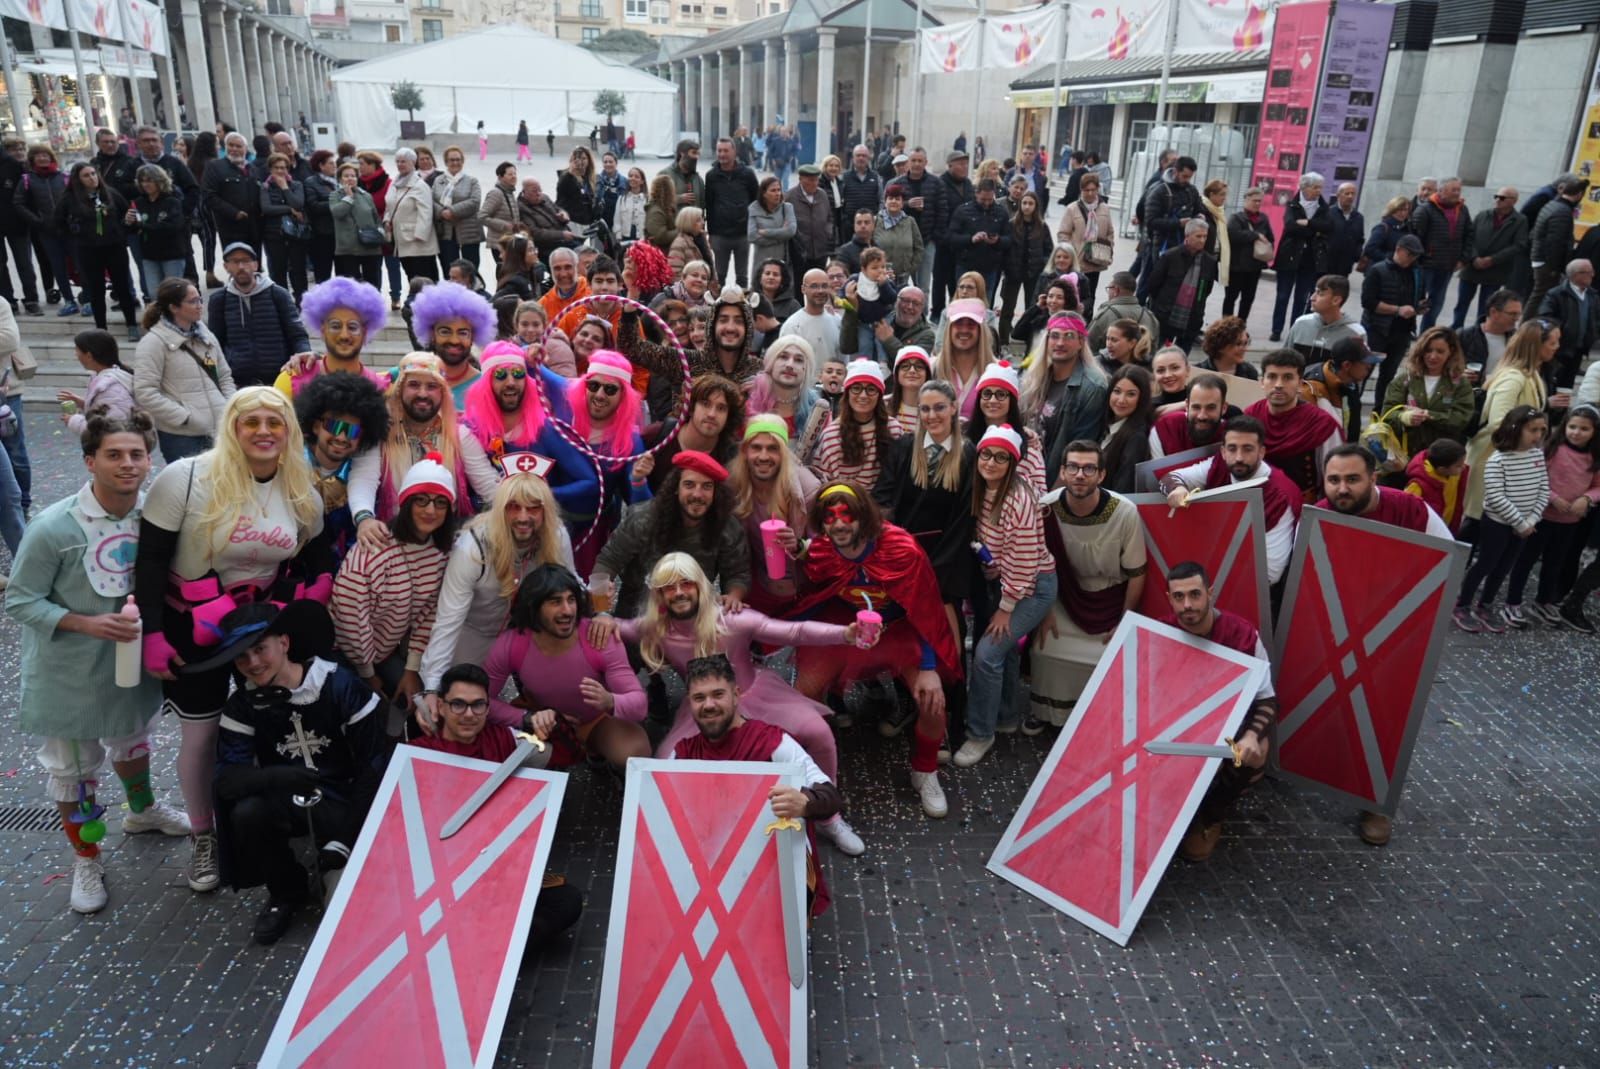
(501, 75)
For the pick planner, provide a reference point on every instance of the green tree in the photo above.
(636, 42)
(610, 102)
(406, 97)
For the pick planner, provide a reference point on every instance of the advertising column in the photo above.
(1586, 160)
(1358, 46)
(1294, 69)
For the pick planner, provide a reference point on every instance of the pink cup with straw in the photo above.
(869, 625)
(772, 552)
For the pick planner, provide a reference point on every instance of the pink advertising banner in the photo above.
(1347, 103)
(1294, 72)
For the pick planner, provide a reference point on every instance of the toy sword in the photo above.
(526, 745)
(1228, 748)
(794, 931)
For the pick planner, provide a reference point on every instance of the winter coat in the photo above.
(1444, 246)
(660, 227)
(258, 331)
(1304, 248)
(459, 193)
(163, 227)
(319, 190)
(1450, 405)
(1345, 240)
(813, 235)
(1551, 239)
(860, 191)
(117, 171)
(686, 183)
(90, 226)
(1506, 244)
(544, 225)
(1384, 237)
(729, 195)
(1074, 229)
(969, 220)
(408, 217)
(1242, 234)
(1031, 248)
(1579, 321)
(350, 214)
(628, 217)
(36, 199)
(577, 198)
(230, 189)
(1388, 283)
(1167, 207)
(931, 190)
(952, 195)
(182, 381)
(770, 232)
(11, 172)
(1166, 279)
(498, 212)
(689, 247)
(278, 205)
(902, 244)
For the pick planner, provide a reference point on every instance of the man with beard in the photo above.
(1300, 434)
(768, 483)
(232, 194)
(1240, 461)
(343, 419)
(730, 341)
(725, 735)
(1193, 608)
(504, 413)
(692, 514)
(907, 326)
(1066, 396)
(450, 319)
(115, 167)
(346, 312)
(582, 699)
(691, 188)
(863, 564)
(1349, 480)
(1098, 544)
(683, 621)
(714, 425)
(605, 416)
(255, 320)
(1198, 423)
(422, 420)
(818, 320)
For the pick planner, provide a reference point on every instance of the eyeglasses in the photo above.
(995, 456)
(501, 374)
(863, 389)
(343, 428)
(994, 394)
(460, 707)
(933, 410)
(437, 501)
(609, 389)
(1080, 469)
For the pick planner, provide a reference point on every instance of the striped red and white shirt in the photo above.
(1016, 541)
(830, 466)
(380, 597)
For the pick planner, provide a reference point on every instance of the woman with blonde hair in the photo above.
(1432, 392)
(1517, 380)
(408, 219)
(831, 184)
(690, 245)
(236, 524)
(661, 213)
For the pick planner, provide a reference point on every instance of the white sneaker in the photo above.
(972, 751)
(88, 885)
(159, 817)
(844, 838)
(927, 786)
(203, 872)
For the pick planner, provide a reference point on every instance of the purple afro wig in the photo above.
(365, 301)
(451, 300)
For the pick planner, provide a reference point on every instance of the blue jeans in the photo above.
(1294, 289)
(11, 520)
(995, 662)
(398, 282)
(152, 272)
(17, 453)
(178, 446)
(1437, 282)
(1464, 292)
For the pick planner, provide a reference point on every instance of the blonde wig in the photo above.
(232, 486)
(787, 501)
(397, 456)
(494, 532)
(948, 477)
(653, 619)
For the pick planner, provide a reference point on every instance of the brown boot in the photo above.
(1375, 828)
(1201, 840)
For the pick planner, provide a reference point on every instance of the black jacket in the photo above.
(940, 520)
(1389, 283)
(182, 178)
(36, 199)
(1552, 235)
(1304, 248)
(729, 195)
(1445, 247)
(952, 195)
(1345, 241)
(11, 220)
(1242, 235)
(164, 228)
(79, 221)
(1166, 279)
(1580, 325)
(575, 198)
(1029, 251)
(860, 193)
(319, 190)
(258, 332)
(970, 220)
(228, 190)
(1167, 207)
(117, 171)
(931, 189)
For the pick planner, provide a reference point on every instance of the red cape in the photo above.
(1172, 431)
(1229, 629)
(1396, 508)
(1293, 439)
(1277, 494)
(901, 566)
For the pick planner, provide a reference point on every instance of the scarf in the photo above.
(47, 170)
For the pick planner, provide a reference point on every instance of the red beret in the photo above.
(704, 463)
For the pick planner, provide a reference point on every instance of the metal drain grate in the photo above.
(29, 818)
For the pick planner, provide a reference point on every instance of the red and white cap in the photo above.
(913, 352)
(1003, 436)
(865, 370)
(429, 476)
(612, 364)
(1001, 373)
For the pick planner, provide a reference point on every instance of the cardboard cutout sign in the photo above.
(696, 955)
(1104, 816)
(415, 959)
(1226, 532)
(1358, 643)
(1147, 476)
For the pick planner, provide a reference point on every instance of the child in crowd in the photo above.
(831, 379)
(110, 383)
(873, 292)
(1438, 475)
(1572, 461)
(1516, 489)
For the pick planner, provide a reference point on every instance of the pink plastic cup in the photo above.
(772, 552)
(869, 624)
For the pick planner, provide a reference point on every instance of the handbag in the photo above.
(370, 235)
(293, 229)
(24, 363)
(1097, 254)
(1262, 249)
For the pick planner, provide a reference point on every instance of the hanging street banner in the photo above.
(950, 49)
(1023, 40)
(1347, 101)
(1206, 26)
(1294, 71)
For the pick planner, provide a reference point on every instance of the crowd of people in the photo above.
(748, 420)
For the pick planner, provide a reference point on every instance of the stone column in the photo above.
(825, 88)
(769, 83)
(680, 78)
(791, 82)
(262, 93)
(747, 105)
(222, 60)
(169, 86)
(705, 98)
(198, 82)
(248, 84)
(280, 59)
(719, 113)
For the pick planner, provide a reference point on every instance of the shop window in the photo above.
(719, 12)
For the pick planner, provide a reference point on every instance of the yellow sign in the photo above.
(1586, 161)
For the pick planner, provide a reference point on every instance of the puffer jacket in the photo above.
(498, 212)
(1443, 246)
(460, 194)
(163, 227)
(36, 199)
(1551, 239)
(1031, 249)
(183, 381)
(952, 195)
(258, 331)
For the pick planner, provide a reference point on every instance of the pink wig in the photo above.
(340, 292)
(483, 410)
(451, 300)
(615, 367)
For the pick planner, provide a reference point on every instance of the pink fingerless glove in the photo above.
(158, 653)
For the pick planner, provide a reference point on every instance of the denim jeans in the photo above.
(1437, 282)
(11, 521)
(178, 446)
(17, 452)
(995, 662)
(152, 272)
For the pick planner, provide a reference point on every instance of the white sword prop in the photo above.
(794, 925)
(526, 745)
(1229, 749)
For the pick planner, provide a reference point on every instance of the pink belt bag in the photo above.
(207, 602)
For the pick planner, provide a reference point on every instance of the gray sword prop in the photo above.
(1227, 748)
(526, 745)
(794, 925)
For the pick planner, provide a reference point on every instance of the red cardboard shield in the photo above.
(1226, 533)
(1104, 816)
(695, 970)
(415, 959)
(1147, 476)
(1357, 648)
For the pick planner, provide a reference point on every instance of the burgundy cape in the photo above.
(1395, 507)
(494, 743)
(1172, 431)
(756, 740)
(1228, 629)
(1277, 494)
(1293, 439)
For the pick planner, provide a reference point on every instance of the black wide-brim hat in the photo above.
(306, 622)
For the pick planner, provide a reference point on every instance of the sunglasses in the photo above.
(343, 428)
(609, 389)
(501, 374)
(1502, 196)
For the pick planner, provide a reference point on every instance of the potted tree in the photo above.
(610, 103)
(407, 97)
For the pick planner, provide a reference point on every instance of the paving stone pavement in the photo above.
(1470, 940)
